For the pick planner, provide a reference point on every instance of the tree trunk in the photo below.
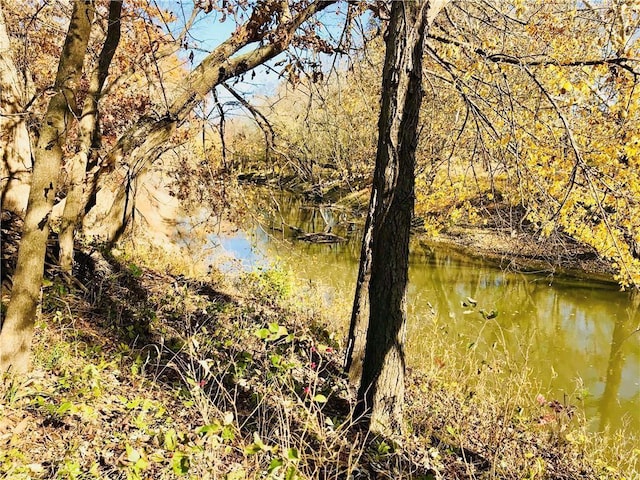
(74, 206)
(17, 328)
(140, 149)
(381, 392)
(357, 339)
(15, 144)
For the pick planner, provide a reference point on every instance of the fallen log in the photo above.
(321, 237)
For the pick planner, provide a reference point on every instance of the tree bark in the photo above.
(17, 328)
(357, 339)
(381, 391)
(141, 144)
(15, 144)
(74, 206)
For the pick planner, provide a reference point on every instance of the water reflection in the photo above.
(577, 336)
(623, 332)
(567, 332)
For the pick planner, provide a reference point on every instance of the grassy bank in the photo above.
(145, 373)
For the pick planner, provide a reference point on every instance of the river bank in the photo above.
(521, 249)
(526, 252)
(148, 373)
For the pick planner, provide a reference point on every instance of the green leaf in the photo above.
(291, 474)
(275, 463)
(157, 457)
(320, 398)
(384, 448)
(276, 360)
(276, 332)
(258, 441)
(228, 433)
(141, 464)
(262, 333)
(170, 440)
(274, 327)
(64, 408)
(135, 270)
(180, 463)
(211, 429)
(293, 455)
(252, 449)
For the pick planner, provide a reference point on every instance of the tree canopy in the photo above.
(529, 124)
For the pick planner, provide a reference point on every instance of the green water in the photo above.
(576, 336)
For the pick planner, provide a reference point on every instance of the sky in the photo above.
(210, 30)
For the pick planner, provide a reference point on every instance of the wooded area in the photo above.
(512, 116)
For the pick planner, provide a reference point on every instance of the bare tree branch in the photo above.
(622, 61)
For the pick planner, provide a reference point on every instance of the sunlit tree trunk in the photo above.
(74, 205)
(15, 144)
(360, 312)
(17, 328)
(381, 391)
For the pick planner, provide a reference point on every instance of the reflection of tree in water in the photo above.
(292, 215)
(328, 217)
(627, 327)
(560, 331)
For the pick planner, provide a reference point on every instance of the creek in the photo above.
(578, 337)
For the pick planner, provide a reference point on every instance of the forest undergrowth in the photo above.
(143, 372)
